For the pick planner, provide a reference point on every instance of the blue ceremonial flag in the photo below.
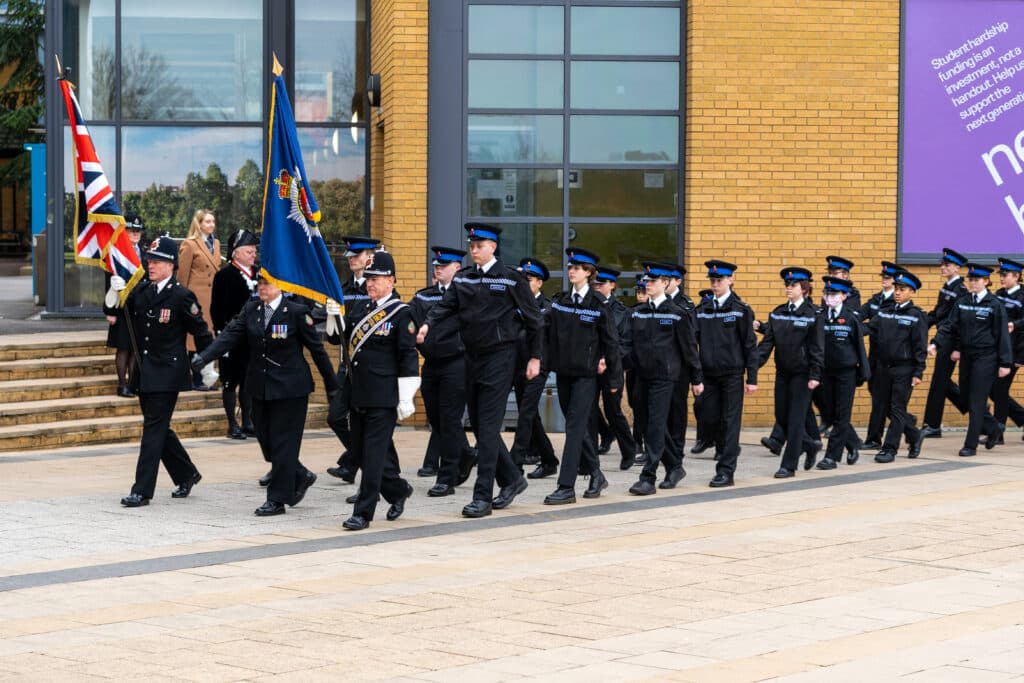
(293, 252)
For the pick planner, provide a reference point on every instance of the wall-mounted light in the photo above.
(373, 96)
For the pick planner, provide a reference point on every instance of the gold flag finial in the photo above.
(60, 69)
(277, 68)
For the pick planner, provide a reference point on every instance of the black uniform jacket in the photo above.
(160, 321)
(580, 335)
(492, 309)
(727, 341)
(876, 303)
(231, 291)
(277, 368)
(1015, 314)
(523, 348)
(661, 341)
(117, 334)
(978, 327)
(900, 337)
(797, 339)
(852, 301)
(388, 353)
(443, 341)
(621, 317)
(844, 342)
(356, 297)
(947, 298)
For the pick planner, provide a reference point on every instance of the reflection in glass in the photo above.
(624, 192)
(89, 54)
(623, 246)
(528, 84)
(336, 166)
(521, 30)
(540, 240)
(190, 60)
(624, 139)
(513, 192)
(170, 172)
(625, 31)
(625, 85)
(514, 139)
(330, 60)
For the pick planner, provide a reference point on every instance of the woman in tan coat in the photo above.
(198, 262)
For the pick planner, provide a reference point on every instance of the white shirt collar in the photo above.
(163, 283)
(887, 294)
(382, 300)
(1012, 290)
(658, 300)
(979, 295)
(487, 266)
(276, 303)
(359, 280)
(952, 280)
(722, 299)
(798, 303)
(581, 292)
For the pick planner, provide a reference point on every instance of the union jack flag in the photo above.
(100, 237)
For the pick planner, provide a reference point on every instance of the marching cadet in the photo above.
(728, 348)
(661, 340)
(839, 267)
(443, 379)
(582, 344)
(977, 328)
(634, 393)
(384, 375)
(605, 283)
(880, 301)
(846, 367)
(531, 444)
(162, 312)
(795, 333)
(901, 334)
(274, 332)
(1012, 296)
(702, 442)
(942, 386)
(486, 298)
(679, 412)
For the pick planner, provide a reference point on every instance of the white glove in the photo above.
(407, 387)
(335, 323)
(117, 283)
(333, 307)
(209, 375)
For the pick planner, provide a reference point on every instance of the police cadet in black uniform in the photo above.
(604, 284)
(703, 441)
(661, 340)
(942, 386)
(634, 391)
(846, 367)
(384, 374)
(531, 444)
(902, 342)
(838, 267)
(880, 301)
(1012, 296)
(582, 344)
(728, 348)
(162, 312)
(977, 329)
(486, 298)
(795, 333)
(443, 380)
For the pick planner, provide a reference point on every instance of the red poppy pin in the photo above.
(842, 321)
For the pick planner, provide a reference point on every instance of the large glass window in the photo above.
(514, 192)
(335, 160)
(521, 30)
(625, 85)
(504, 84)
(515, 139)
(330, 60)
(625, 31)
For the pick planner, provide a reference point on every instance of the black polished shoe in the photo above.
(968, 452)
(265, 479)
(124, 392)
(701, 446)
(185, 487)
(248, 430)
(134, 500)
(852, 456)
(440, 490)
(531, 459)
(478, 508)
(426, 471)
(598, 483)
(356, 523)
(931, 432)
(643, 488)
(398, 507)
(234, 432)
(811, 456)
(771, 444)
(783, 473)
(871, 445)
(542, 471)
(672, 478)
(915, 447)
(627, 462)
(604, 447)
(466, 465)
(995, 438)
(885, 455)
(561, 496)
(720, 480)
(508, 493)
(827, 464)
(343, 473)
(270, 509)
(300, 491)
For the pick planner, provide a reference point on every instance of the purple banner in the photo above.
(962, 127)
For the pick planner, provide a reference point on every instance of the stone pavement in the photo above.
(913, 570)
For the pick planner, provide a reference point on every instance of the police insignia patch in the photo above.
(194, 308)
(412, 328)
(309, 320)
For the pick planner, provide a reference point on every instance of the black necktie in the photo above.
(792, 308)
(717, 305)
(576, 299)
(977, 299)
(268, 313)
(831, 315)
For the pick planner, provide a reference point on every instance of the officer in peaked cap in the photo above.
(879, 301)
(1012, 295)
(942, 387)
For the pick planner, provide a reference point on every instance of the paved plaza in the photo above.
(913, 570)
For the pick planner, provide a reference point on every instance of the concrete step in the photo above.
(84, 407)
(58, 345)
(16, 391)
(52, 368)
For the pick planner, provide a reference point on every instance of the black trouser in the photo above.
(1005, 407)
(895, 388)
(530, 435)
(941, 388)
(338, 420)
(791, 400)
(978, 372)
(372, 429)
(637, 401)
(698, 417)
(617, 422)
(657, 395)
(723, 409)
(279, 427)
(819, 399)
(876, 421)
(576, 398)
(159, 444)
(488, 381)
(840, 387)
(679, 411)
(443, 386)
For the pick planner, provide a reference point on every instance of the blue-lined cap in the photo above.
(888, 269)
(954, 257)
(641, 283)
(718, 268)
(1009, 266)
(979, 270)
(442, 256)
(655, 269)
(579, 256)
(838, 263)
(535, 267)
(355, 244)
(481, 231)
(678, 270)
(795, 273)
(705, 294)
(605, 274)
(908, 279)
(837, 284)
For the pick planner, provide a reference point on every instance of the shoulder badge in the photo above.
(194, 308)
(412, 328)
(309, 320)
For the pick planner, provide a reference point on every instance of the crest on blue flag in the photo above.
(293, 253)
